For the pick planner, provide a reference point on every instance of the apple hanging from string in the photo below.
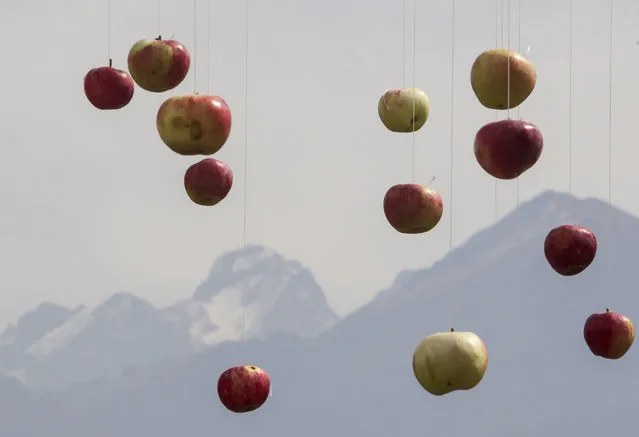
(502, 79)
(609, 335)
(242, 389)
(194, 124)
(108, 88)
(404, 110)
(413, 208)
(157, 65)
(450, 361)
(208, 182)
(570, 249)
(505, 149)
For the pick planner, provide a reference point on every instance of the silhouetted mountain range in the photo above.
(53, 346)
(356, 378)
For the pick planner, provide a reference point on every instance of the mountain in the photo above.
(53, 346)
(356, 378)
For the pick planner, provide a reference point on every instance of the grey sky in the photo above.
(94, 202)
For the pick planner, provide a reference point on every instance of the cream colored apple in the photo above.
(194, 124)
(449, 361)
(404, 110)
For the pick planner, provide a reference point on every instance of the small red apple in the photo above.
(570, 249)
(507, 148)
(412, 208)
(208, 182)
(609, 335)
(157, 65)
(195, 124)
(243, 388)
(108, 88)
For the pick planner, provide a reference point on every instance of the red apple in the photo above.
(108, 88)
(157, 65)
(243, 388)
(507, 148)
(195, 124)
(609, 335)
(412, 208)
(570, 249)
(208, 182)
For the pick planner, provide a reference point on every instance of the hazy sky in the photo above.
(94, 203)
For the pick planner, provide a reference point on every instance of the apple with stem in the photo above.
(449, 361)
(108, 88)
(609, 335)
(502, 79)
(505, 149)
(570, 249)
(194, 124)
(208, 182)
(404, 110)
(243, 388)
(413, 208)
(157, 65)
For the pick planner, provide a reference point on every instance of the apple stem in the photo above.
(607, 310)
(452, 329)
(159, 38)
(432, 180)
(110, 62)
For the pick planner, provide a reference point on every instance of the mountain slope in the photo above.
(125, 331)
(356, 378)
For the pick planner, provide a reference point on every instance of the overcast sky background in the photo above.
(93, 202)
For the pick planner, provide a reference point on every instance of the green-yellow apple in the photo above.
(243, 388)
(194, 124)
(609, 335)
(208, 182)
(489, 78)
(413, 208)
(157, 65)
(449, 361)
(403, 110)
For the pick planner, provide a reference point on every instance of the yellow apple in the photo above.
(404, 110)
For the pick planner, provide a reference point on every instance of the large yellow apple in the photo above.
(450, 361)
(489, 78)
(195, 124)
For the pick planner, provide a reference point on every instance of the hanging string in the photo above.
(414, 83)
(404, 8)
(208, 47)
(610, 107)
(195, 46)
(498, 43)
(159, 18)
(519, 107)
(452, 124)
(246, 93)
(508, 28)
(109, 33)
(570, 52)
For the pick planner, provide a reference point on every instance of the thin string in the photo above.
(610, 107)
(508, 60)
(498, 42)
(452, 142)
(159, 18)
(208, 46)
(195, 46)
(452, 124)
(404, 7)
(414, 83)
(246, 92)
(570, 96)
(519, 107)
(109, 33)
